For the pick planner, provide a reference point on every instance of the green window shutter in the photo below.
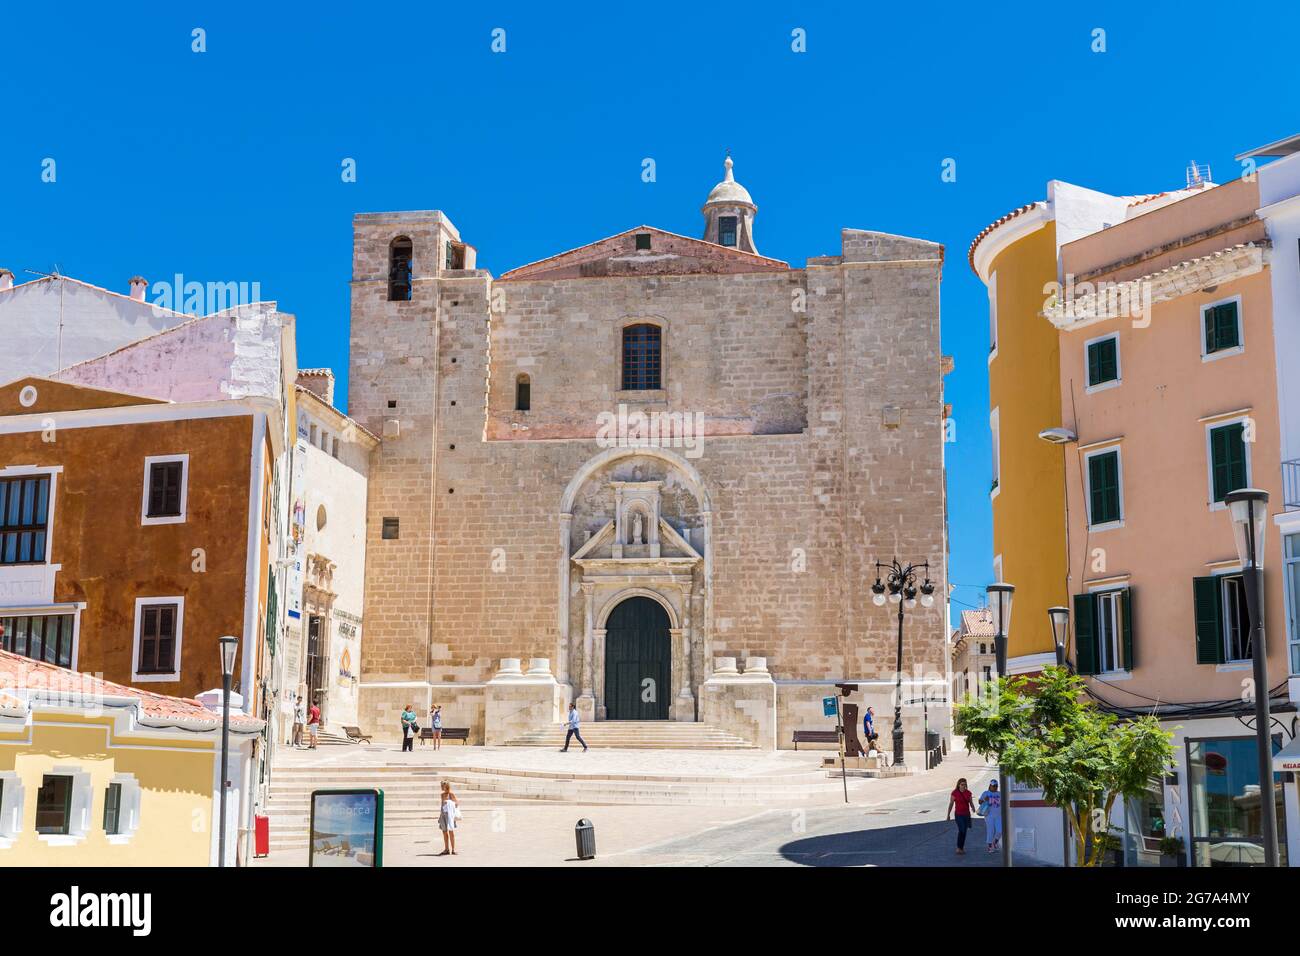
(272, 607)
(1094, 364)
(1102, 364)
(1228, 459)
(1103, 482)
(1210, 338)
(1208, 603)
(1222, 328)
(1126, 625)
(1085, 635)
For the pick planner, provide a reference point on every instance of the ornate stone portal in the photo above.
(638, 527)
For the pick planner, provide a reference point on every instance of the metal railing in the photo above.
(1291, 483)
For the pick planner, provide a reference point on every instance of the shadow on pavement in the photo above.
(919, 844)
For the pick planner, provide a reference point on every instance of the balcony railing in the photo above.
(1291, 484)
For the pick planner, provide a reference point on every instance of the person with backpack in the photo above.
(435, 721)
(991, 811)
(961, 801)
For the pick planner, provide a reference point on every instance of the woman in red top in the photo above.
(961, 801)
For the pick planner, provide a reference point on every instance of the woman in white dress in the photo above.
(448, 814)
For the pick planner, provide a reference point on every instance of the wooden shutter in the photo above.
(1094, 363)
(1126, 625)
(1103, 486)
(1085, 634)
(1228, 459)
(1208, 604)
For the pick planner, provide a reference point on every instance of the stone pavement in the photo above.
(894, 821)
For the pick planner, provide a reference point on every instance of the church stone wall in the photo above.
(820, 390)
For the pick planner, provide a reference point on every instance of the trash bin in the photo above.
(261, 835)
(585, 834)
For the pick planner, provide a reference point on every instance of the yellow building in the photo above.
(98, 774)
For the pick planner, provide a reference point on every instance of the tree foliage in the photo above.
(1052, 738)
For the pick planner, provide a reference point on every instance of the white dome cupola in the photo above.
(729, 214)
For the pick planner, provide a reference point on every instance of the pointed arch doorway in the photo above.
(638, 661)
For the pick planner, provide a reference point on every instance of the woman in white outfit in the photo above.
(447, 817)
(991, 810)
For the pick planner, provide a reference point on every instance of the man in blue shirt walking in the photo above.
(573, 730)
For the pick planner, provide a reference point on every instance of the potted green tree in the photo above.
(1051, 737)
(1172, 851)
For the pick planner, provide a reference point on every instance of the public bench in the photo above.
(815, 737)
(356, 736)
(448, 733)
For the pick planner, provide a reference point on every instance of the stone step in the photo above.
(638, 735)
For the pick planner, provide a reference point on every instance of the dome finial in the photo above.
(727, 164)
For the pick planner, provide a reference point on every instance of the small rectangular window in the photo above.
(643, 240)
(1103, 361)
(334, 448)
(166, 484)
(390, 529)
(1227, 460)
(1104, 488)
(159, 625)
(54, 804)
(24, 519)
(1236, 619)
(1222, 327)
(726, 230)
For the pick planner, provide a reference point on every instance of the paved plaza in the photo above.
(887, 822)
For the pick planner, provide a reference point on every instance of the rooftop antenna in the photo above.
(1198, 174)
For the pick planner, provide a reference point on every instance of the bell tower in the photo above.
(729, 214)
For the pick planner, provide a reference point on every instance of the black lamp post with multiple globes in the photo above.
(228, 648)
(1248, 509)
(900, 585)
(1000, 596)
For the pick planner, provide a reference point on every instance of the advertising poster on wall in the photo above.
(297, 527)
(347, 828)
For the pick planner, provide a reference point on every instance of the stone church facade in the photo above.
(651, 475)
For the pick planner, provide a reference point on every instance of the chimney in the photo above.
(138, 287)
(6, 280)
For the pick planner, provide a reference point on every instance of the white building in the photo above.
(327, 542)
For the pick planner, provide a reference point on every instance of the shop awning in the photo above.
(1288, 758)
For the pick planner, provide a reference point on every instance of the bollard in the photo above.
(585, 834)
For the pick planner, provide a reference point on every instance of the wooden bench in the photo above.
(448, 733)
(815, 737)
(356, 736)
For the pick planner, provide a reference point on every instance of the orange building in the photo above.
(135, 532)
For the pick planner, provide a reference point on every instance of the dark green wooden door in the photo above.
(637, 661)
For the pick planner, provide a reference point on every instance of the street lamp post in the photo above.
(1060, 618)
(228, 647)
(1249, 512)
(900, 581)
(1000, 595)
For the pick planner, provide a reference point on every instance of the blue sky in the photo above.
(225, 165)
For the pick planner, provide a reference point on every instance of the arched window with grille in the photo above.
(523, 393)
(642, 358)
(399, 269)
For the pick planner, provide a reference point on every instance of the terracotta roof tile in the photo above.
(978, 623)
(18, 673)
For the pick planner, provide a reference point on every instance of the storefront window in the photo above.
(1145, 818)
(1223, 776)
(1292, 542)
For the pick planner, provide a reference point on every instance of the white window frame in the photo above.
(1241, 330)
(1292, 599)
(11, 807)
(149, 462)
(993, 316)
(1117, 648)
(78, 811)
(1209, 458)
(128, 816)
(140, 604)
(54, 610)
(1087, 485)
(18, 471)
(1119, 369)
(995, 431)
(1230, 662)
